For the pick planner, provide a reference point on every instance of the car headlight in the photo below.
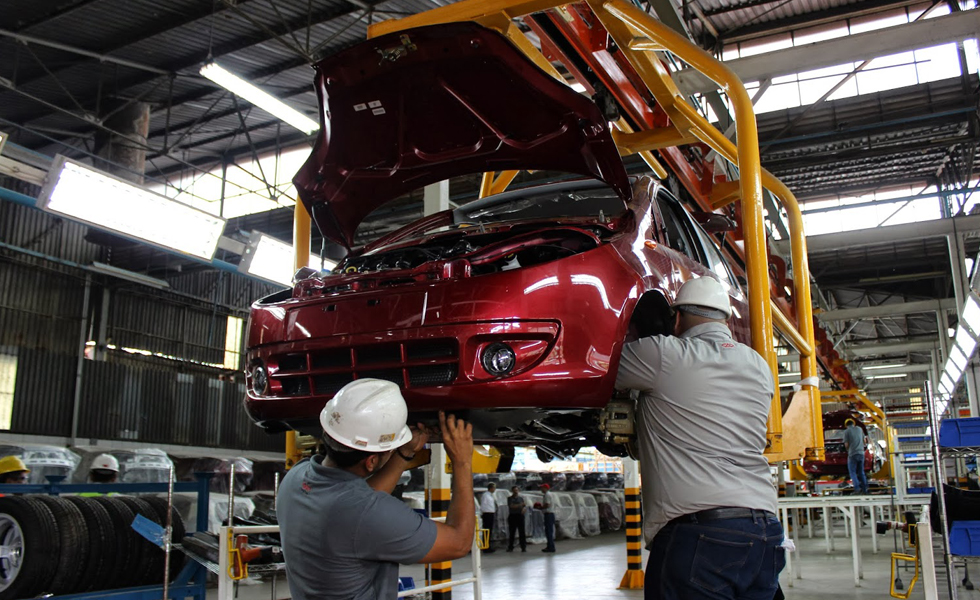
(498, 359)
(260, 381)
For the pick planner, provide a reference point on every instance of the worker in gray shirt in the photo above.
(854, 443)
(343, 533)
(708, 499)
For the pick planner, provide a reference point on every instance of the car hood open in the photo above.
(412, 108)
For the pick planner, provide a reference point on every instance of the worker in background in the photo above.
(13, 470)
(516, 509)
(854, 442)
(104, 469)
(343, 533)
(548, 506)
(488, 510)
(708, 499)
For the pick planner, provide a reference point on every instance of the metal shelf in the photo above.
(959, 451)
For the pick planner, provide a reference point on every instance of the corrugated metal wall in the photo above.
(146, 399)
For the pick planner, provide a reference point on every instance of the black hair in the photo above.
(102, 475)
(342, 456)
(5, 478)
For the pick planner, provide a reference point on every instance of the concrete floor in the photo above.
(592, 568)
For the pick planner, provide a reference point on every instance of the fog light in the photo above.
(260, 381)
(498, 359)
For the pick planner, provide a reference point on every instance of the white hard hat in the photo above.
(367, 414)
(705, 292)
(105, 462)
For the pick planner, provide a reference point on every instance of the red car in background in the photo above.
(835, 455)
(511, 310)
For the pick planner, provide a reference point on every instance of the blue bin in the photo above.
(964, 538)
(959, 432)
(406, 583)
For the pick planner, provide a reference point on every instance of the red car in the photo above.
(511, 310)
(835, 460)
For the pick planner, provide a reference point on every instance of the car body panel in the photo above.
(405, 110)
(567, 318)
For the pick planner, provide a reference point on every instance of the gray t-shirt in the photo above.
(343, 540)
(854, 438)
(701, 423)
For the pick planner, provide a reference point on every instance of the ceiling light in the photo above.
(128, 275)
(271, 259)
(578, 87)
(890, 366)
(971, 313)
(958, 357)
(102, 200)
(889, 376)
(267, 102)
(965, 340)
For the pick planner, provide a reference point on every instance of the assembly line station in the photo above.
(820, 156)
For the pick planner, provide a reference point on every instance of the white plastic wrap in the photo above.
(218, 510)
(534, 518)
(566, 516)
(610, 510)
(588, 513)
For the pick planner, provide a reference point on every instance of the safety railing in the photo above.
(639, 36)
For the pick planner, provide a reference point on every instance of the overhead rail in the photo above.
(672, 121)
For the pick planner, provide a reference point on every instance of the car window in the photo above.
(678, 236)
(714, 259)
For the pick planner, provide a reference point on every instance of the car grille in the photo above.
(414, 364)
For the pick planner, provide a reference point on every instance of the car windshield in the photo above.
(572, 199)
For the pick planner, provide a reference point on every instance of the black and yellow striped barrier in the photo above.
(440, 572)
(633, 579)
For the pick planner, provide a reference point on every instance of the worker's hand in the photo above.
(457, 437)
(420, 437)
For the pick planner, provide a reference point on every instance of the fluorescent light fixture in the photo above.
(267, 102)
(965, 340)
(271, 259)
(578, 87)
(890, 376)
(888, 366)
(958, 357)
(128, 275)
(3, 140)
(953, 370)
(102, 200)
(971, 313)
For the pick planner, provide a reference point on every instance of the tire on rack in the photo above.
(159, 505)
(73, 536)
(150, 569)
(29, 531)
(129, 553)
(105, 556)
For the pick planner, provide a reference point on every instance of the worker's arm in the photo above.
(639, 364)
(455, 536)
(386, 478)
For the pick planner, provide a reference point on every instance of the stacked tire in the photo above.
(65, 545)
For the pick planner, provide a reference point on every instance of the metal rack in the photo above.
(190, 582)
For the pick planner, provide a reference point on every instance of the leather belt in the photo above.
(721, 513)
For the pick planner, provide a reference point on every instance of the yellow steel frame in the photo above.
(639, 36)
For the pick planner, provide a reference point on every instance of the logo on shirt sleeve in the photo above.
(306, 487)
(728, 345)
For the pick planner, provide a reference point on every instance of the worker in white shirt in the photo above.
(488, 507)
(708, 500)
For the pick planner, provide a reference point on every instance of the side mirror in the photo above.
(713, 222)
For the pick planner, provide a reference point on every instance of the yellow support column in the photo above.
(301, 258)
(633, 579)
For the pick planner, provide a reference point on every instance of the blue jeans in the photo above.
(714, 560)
(549, 529)
(855, 464)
